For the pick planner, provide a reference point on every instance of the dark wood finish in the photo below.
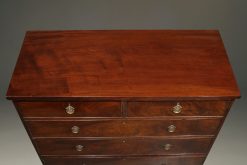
(189, 108)
(123, 85)
(182, 160)
(57, 109)
(123, 64)
(118, 128)
(123, 146)
(222, 122)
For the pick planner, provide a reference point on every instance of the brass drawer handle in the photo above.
(177, 109)
(167, 147)
(75, 129)
(70, 109)
(172, 128)
(79, 147)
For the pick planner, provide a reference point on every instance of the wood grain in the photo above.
(189, 108)
(122, 128)
(123, 64)
(123, 85)
(123, 146)
(57, 109)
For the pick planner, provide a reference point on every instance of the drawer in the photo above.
(151, 160)
(118, 128)
(123, 146)
(183, 108)
(69, 109)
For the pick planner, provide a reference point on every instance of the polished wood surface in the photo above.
(123, 146)
(123, 64)
(122, 128)
(123, 86)
(81, 109)
(171, 160)
(122, 109)
(188, 108)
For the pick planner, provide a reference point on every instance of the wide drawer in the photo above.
(69, 109)
(123, 146)
(172, 108)
(119, 128)
(159, 160)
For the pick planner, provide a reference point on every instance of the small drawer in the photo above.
(69, 109)
(119, 128)
(178, 108)
(150, 160)
(123, 146)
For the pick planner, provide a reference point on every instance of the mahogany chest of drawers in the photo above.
(123, 97)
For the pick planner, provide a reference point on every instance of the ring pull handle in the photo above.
(171, 128)
(75, 129)
(70, 109)
(177, 108)
(79, 147)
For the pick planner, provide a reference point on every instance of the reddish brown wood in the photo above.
(222, 122)
(123, 146)
(189, 108)
(57, 109)
(171, 160)
(123, 64)
(122, 128)
(123, 84)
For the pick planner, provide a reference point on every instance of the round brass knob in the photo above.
(79, 147)
(75, 129)
(167, 147)
(177, 108)
(171, 128)
(70, 109)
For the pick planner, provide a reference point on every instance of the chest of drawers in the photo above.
(117, 97)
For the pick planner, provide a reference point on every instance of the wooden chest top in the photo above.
(123, 64)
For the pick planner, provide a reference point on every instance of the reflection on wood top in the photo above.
(123, 64)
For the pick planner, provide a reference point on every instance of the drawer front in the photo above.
(184, 108)
(66, 109)
(176, 160)
(118, 147)
(118, 128)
